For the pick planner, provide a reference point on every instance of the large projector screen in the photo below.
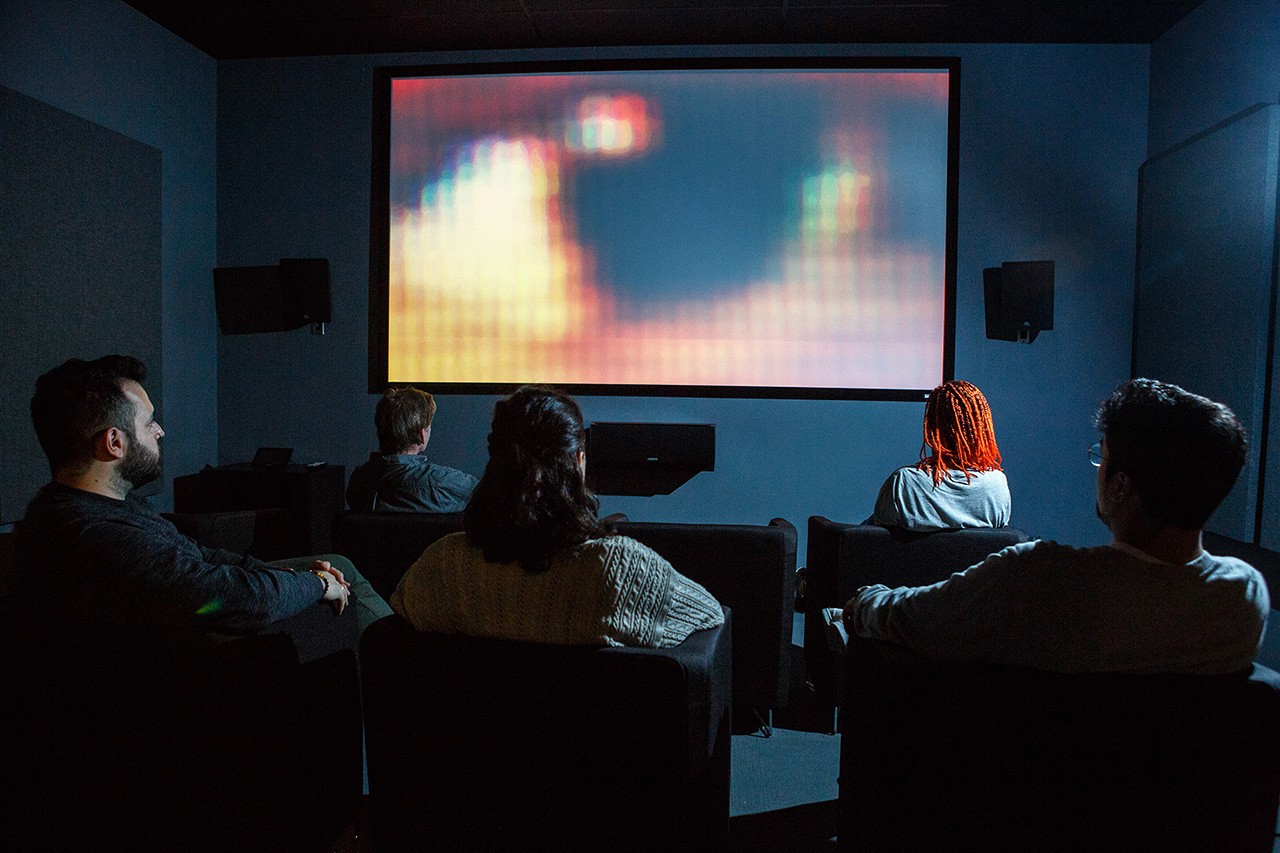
(728, 228)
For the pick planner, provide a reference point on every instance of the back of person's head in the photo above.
(79, 399)
(1182, 451)
(958, 432)
(401, 416)
(532, 500)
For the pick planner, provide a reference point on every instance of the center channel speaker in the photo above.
(647, 459)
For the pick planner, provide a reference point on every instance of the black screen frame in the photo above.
(379, 218)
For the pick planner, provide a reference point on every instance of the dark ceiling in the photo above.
(232, 29)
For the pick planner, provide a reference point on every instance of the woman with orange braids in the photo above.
(959, 483)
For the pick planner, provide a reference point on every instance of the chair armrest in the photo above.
(706, 657)
(316, 632)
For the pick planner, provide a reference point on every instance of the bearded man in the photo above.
(91, 552)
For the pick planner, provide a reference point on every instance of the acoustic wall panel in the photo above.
(1203, 315)
(1269, 516)
(80, 220)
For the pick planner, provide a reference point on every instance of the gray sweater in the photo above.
(87, 559)
(1107, 609)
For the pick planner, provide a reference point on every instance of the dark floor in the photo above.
(782, 792)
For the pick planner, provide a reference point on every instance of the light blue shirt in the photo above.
(910, 499)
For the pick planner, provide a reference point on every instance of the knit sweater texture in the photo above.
(610, 591)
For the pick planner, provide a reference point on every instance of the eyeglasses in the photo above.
(1095, 455)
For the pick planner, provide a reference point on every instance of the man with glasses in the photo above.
(1152, 601)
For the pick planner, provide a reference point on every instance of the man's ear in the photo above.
(426, 435)
(112, 444)
(1118, 486)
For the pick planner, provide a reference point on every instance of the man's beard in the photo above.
(139, 466)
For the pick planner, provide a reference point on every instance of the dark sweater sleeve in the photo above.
(231, 558)
(170, 580)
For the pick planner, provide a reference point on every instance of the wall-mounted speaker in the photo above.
(288, 295)
(1018, 296)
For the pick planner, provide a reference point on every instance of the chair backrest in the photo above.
(265, 533)
(939, 755)
(749, 568)
(6, 559)
(383, 545)
(153, 740)
(477, 743)
(310, 495)
(843, 557)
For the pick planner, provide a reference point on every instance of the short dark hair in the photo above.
(401, 415)
(532, 501)
(1182, 451)
(79, 399)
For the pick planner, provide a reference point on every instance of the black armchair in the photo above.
(144, 739)
(750, 569)
(383, 545)
(843, 557)
(955, 756)
(483, 744)
(264, 533)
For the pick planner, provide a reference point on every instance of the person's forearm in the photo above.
(245, 594)
(221, 556)
(938, 620)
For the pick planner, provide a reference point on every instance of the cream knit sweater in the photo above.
(610, 591)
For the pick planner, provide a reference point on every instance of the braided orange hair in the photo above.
(958, 432)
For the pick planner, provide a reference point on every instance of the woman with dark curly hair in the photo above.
(534, 563)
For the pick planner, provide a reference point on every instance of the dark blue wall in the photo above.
(105, 62)
(1219, 61)
(1051, 140)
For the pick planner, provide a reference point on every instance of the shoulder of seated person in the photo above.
(450, 543)
(616, 542)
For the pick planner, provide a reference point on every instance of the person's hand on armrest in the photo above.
(324, 566)
(335, 588)
(836, 622)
